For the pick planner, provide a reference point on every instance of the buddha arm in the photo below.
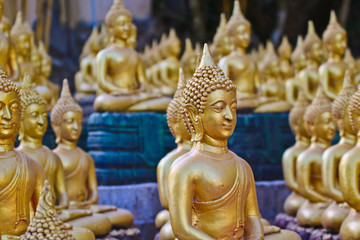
(39, 182)
(304, 83)
(60, 187)
(329, 172)
(141, 75)
(289, 169)
(349, 179)
(325, 81)
(92, 183)
(162, 179)
(181, 190)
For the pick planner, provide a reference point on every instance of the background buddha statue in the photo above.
(22, 177)
(349, 175)
(158, 54)
(188, 60)
(132, 40)
(297, 124)
(337, 211)
(313, 48)
(79, 168)
(211, 190)
(352, 66)
(320, 125)
(221, 46)
(284, 51)
(332, 72)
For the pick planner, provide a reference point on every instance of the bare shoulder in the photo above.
(85, 155)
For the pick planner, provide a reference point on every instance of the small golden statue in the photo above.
(188, 60)
(297, 123)
(332, 72)
(320, 125)
(284, 52)
(212, 190)
(352, 66)
(221, 46)
(335, 214)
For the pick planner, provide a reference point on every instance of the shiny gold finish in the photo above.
(284, 52)
(297, 123)
(221, 46)
(332, 72)
(188, 60)
(212, 190)
(352, 66)
(320, 125)
(22, 177)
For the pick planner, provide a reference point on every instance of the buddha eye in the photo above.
(33, 114)
(14, 106)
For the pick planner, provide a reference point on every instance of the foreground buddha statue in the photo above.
(120, 75)
(337, 211)
(320, 125)
(188, 60)
(297, 124)
(284, 52)
(79, 168)
(313, 48)
(212, 190)
(332, 72)
(22, 178)
(349, 175)
(221, 46)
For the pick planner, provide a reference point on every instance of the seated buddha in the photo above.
(188, 60)
(79, 168)
(320, 125)
(289, 158)
(352, 66)
(157, 55)
(332, 72)
(33, 126)
(335, 214)
(120, 75)
(284, 51)
(349, 175)
(22, 177)
(221, 46)
(313, 48)
(211, 190)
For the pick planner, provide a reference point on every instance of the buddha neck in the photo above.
(320, 142)
(347, 138)
(119, 42)
(6, 145)
(212, 145)
(302, 141)
(312, 64)
(68, 145)
(334, 57)
(240, 50)
(33, 143)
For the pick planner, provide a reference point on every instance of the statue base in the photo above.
(123, 234)
(322, 234)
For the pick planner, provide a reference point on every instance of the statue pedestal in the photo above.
(127, 147)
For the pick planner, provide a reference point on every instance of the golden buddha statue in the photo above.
(188, 60)
(221, 46)
(289, 158)
(153, 72)
(212, 190)
(320, 125)
(22, 178)
(352, 66)
(284, 52)
(132, 40)
(313, 48)
(47, 225)
(5, 24)
(337, 211)
(332, 72)
(298, 60)
(349, 177)
(239, 66)
(79, 169)
(86, 48)
(120, 75)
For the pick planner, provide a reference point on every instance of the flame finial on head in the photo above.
(206, 58)
(299, 50)
(311, 37)
(284, 46)
(333, 28)
(117, 9)
(20, 27)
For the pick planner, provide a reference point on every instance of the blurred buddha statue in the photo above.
(352, 66)
(238, 66)
(335, 214)
(313, 48)
(284, 52)
(153, 73)
(79, 168)
(188, 60)
(320, 125)
(221, 46)
(120, 75)
(22, 178)
(132, 40)
(332, 72)
(349, 175)
(273, 90)
(298, 60)
(297, 124)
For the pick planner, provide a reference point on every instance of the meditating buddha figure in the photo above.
(22, 177)
(188, 60)
(212, 190)
(221, 46)
(335, 214)
(120, 75)
(352, 66)
(349, 175)
(313, 48)
(132, 40)
(152, 72)
(284, 52)
(332, 72)
(79, 169)
(238, 66)
(320, 125)
(289, 158)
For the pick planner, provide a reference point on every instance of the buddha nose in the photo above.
(75, 125)
(41, 120)
(6, 113)
(228, 114)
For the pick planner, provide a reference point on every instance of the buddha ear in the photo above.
(196, 122)
(57, 131)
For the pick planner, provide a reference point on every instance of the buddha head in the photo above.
(21, 36)
(9, 109)
(354, 112)
(340, 106)
(350, 61)
(33, 112)
(238, 28)
(173, 44)
(66, 117)
(296, 116)
(209, 102)
(162, 47)
(335, 37)
(298, 57)
(271, 64)
(221, 39)
(119, 21)
(5, 24)
(46, 63)
(285, 49)
(312, 44)
(188, 59)
(318, 118)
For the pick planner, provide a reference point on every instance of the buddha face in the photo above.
(35, 122)
(5, 29)
(121, 28)
(324, 127)
(316, 52)
(241, 36)
(300, 62)
(36, 60)
(70, 126)
(10, 114)
(273, 68)
(23, 45)
(46, 66)
(223, 45)
(339, 43)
